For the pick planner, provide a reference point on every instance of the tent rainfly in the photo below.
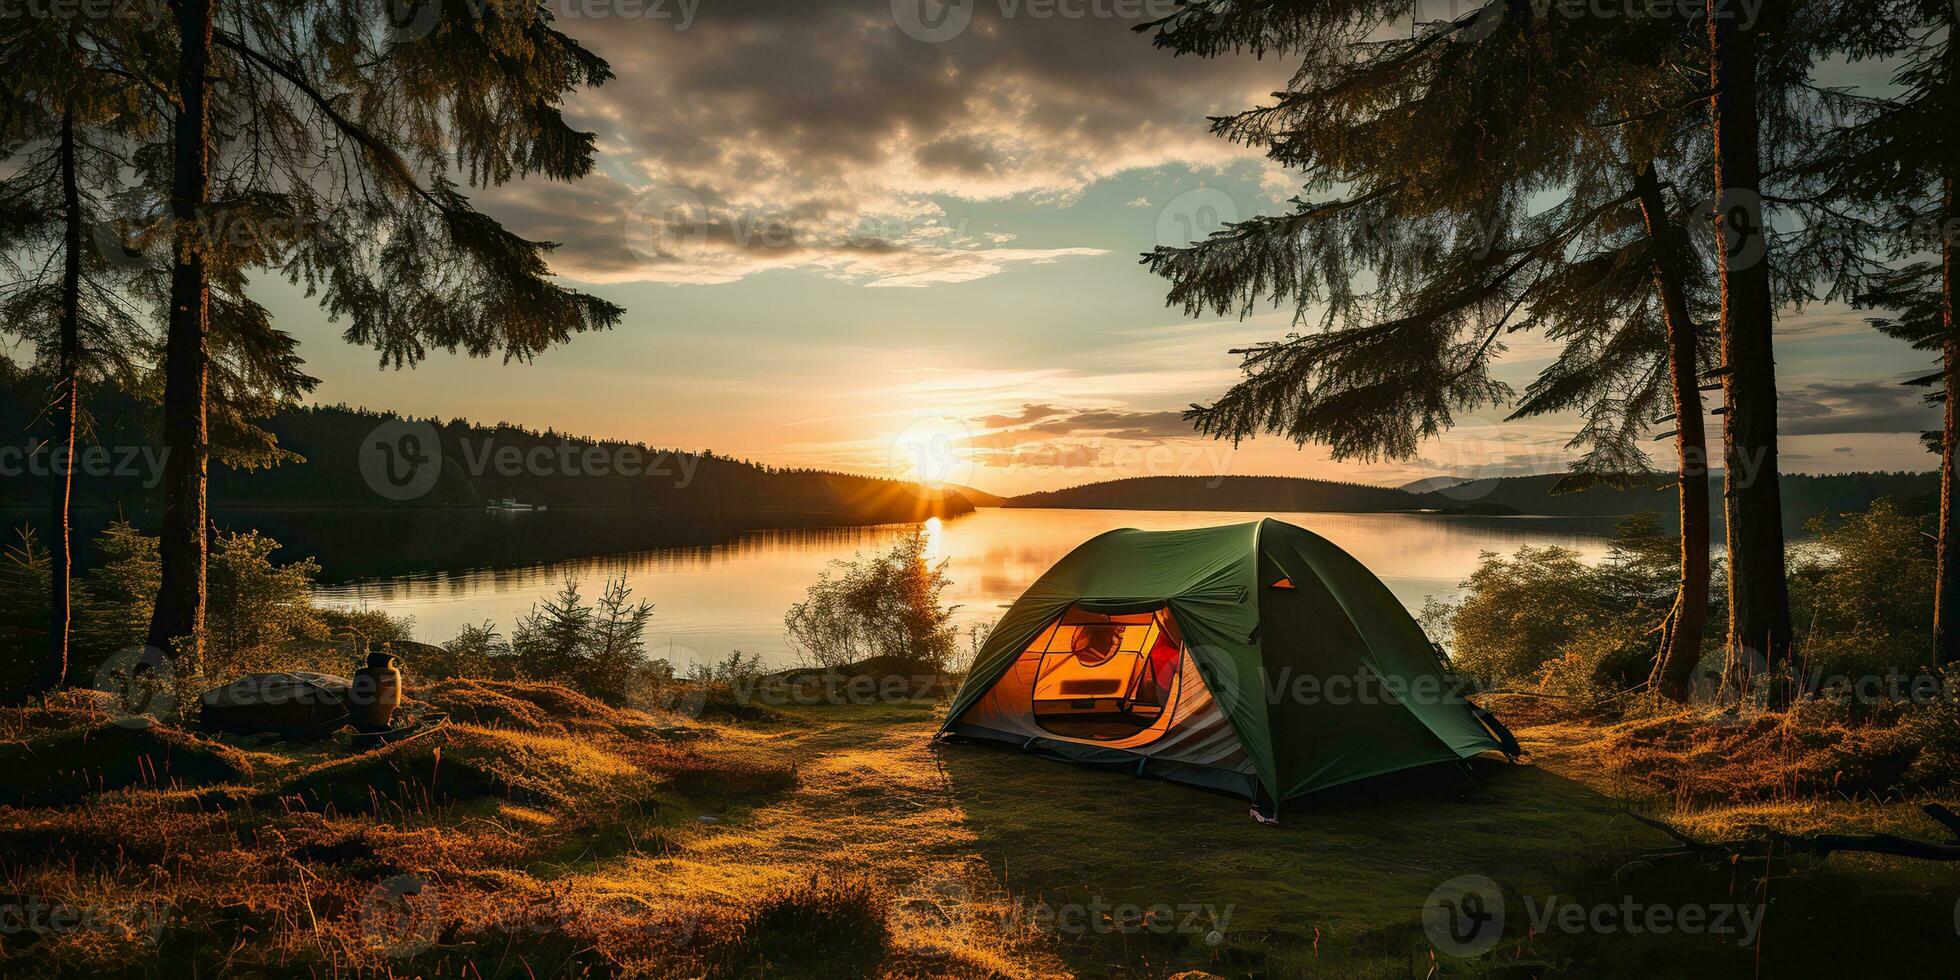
(1255, 658)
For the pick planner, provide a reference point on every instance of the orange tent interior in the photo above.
(1103, 677)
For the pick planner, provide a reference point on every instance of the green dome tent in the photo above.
(1257, 658)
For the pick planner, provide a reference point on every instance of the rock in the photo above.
(297, 704)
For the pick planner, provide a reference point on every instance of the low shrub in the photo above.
(828, 927)
(1542, 616)
(881, 605)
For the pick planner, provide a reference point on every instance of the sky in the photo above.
(899, 238)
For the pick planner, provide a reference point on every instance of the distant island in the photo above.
(1804, 496)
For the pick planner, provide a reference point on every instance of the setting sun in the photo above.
(933, 452)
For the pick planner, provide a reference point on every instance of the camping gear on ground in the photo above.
(407, 726)
(1298, 669)
(297, 704)
(377, 691)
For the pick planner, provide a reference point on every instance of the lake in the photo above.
(730, 594)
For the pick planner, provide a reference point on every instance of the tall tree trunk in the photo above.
(1759, 598)
(179, 614)
(1946, 589)
(66, 410)
(1680, 648)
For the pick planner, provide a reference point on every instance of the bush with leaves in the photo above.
(1933, 729)
(478, 651)
(1543, 616)
(1862, 592)
(1862, 588)
(350, 625)
(261, 615)
(884, 605)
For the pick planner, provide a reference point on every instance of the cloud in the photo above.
(1060, 455)
(1141, 202)
(1105, 423)
(772, 134)
(1840, 407)
(1046, 436)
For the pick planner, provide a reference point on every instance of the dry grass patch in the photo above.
(1697, 757)
(531, 706)
(826, 927)
(465, 762)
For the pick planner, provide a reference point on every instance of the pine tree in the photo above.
(1890, 172)
(24, 573)
(67, 205)
(553, 640)
(1777, 249)
(617, 645)
(1514, 108)
(344, 138)
(114, 600)
(1759, 595)
(64, 127)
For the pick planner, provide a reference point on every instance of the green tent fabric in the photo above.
(1322, 674)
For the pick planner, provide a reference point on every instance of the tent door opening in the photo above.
(1106, 678)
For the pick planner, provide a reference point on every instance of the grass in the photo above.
(75, 763)
(819, 928)
(548, 835)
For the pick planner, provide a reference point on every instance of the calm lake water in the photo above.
(711, 599)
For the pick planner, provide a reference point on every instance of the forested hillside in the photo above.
(1248, 493)
(1804, 496)
(336, 455)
